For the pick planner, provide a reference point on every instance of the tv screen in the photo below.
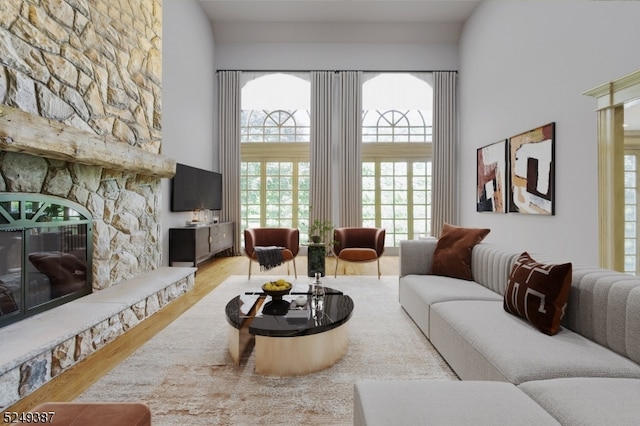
(194, 189)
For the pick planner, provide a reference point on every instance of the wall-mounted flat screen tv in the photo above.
(195, 189)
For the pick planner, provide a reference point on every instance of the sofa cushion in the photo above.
(480, 340)
(452, 257)
(440, 402)
(580, 401)
(358, 254)
(418, 292)
(538, 292)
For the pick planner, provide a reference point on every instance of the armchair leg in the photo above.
(295, 271)
(335, 274)
(249, 269)
(378, 267)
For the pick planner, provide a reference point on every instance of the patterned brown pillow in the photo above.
(538, 292)
(452, 257)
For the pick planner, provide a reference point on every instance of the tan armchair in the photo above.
(287, 238)
(358, 245)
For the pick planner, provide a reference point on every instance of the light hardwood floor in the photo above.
(70, 384)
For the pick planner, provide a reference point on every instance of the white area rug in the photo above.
(186, 375)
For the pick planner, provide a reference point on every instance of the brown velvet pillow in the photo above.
(452, 257)
(538, 292)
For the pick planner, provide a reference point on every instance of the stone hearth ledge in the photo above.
(68, 333)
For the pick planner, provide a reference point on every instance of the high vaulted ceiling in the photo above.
(338, 20)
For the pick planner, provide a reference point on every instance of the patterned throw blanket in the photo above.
(269, 257)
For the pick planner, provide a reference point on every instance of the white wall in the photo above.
(189, 108)
(525, 64)
(337, 56)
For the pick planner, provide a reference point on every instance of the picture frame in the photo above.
(491, 188)
(532, 171)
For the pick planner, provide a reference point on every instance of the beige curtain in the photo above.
(444, 206)
(349, 151)
(320, 150)
(229, 141)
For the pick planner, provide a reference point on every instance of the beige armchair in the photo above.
(358, 245)
(286, 238)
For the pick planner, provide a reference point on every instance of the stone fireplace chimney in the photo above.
(80, 118)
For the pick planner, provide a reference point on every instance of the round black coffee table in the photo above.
(290, 340)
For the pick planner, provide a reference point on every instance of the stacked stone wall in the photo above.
(94, 65)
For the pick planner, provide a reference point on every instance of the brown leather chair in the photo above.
(358, 245)
(287, 238)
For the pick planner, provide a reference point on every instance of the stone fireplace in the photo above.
(125, 208)
(46, 248)
(80, 119)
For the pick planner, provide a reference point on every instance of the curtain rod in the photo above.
(336, 71)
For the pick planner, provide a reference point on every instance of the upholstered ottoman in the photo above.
(442, 402)
(96, 413)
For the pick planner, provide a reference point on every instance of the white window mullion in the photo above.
(410, 201)
(263, 193)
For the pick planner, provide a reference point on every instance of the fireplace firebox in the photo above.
(45, 254)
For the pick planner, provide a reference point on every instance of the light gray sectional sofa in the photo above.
(588, 373)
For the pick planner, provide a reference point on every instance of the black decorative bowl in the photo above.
(277, 294)
(276, 307)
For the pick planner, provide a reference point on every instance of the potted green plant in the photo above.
(319, 231)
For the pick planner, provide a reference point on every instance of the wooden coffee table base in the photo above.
(240, 343)
(293, 356)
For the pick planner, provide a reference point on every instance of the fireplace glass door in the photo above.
(45, 254)
(10, 273)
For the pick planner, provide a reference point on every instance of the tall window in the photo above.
(396, 155)
(275, 132)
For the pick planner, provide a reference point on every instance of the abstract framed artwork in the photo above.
(492, 178)
(532, 171)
